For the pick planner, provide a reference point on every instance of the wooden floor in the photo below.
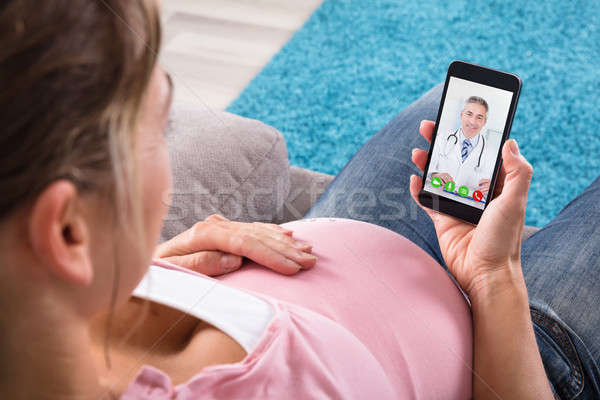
(213, 48)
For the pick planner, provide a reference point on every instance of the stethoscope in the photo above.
(456, 141)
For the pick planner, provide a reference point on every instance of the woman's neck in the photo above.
(141, 332)
(46, 356)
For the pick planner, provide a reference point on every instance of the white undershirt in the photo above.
(240, 315)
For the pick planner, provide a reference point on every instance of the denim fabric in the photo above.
(561, 262)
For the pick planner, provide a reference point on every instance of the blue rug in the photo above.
(356, 63)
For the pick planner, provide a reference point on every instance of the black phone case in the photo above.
(486, 76)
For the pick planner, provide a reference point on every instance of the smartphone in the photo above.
(473, 122)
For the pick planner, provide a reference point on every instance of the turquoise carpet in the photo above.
(357, 63)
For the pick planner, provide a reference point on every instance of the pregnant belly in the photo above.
(389, 293)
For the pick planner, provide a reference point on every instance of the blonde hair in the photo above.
(74, 75)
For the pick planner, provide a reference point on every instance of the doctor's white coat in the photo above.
(448, 159)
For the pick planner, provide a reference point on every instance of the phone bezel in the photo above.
(485, 76)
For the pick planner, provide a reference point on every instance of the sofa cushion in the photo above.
(306, 187)
(226, 164)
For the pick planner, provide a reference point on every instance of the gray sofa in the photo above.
(237, 167)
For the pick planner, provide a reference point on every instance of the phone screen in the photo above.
(467, 143)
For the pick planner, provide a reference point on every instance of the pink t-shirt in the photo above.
(376, 318)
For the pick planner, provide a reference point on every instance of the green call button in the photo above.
(463, 191)
(436, 181)
(449, 186)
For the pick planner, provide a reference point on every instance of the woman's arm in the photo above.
(507, 363)
(486, 262)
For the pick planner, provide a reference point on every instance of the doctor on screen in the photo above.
(461, 153)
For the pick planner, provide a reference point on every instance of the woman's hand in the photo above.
(217, 245)
(486, 262)
(490, 253)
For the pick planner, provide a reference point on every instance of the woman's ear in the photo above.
(59, 234)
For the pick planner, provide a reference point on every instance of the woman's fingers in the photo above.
(274, 227)
(426, 129)
(415, 188)
(518, 173)
(302, 258)
(275, 232)
(216, 218)
(289, 240)
(500, 182)
(210, 263)
(419, 158)
(263, 252)
(252, 245)
(280, 237)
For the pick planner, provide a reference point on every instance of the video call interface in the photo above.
(467, 142)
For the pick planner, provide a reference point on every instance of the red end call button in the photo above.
(477, 195)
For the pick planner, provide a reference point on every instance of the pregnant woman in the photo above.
(369, 296)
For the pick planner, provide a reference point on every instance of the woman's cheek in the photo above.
(167, 184)
(157, 186)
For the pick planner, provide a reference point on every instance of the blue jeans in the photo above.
(561, 261)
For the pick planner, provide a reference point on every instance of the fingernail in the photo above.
(514, 147)
(300, 253)
(293, 264)
(304, 249)
(229, 262)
